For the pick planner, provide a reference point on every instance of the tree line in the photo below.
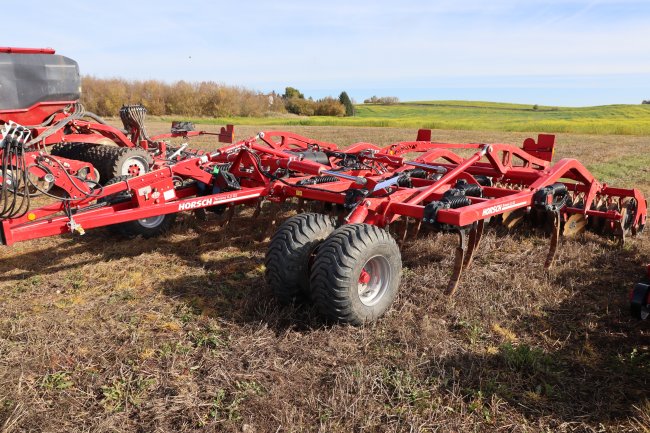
(105, 97)
(206, 99)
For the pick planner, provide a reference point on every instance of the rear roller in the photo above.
(110, 161)
(356, 274)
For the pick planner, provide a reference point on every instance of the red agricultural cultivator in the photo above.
(97, 175)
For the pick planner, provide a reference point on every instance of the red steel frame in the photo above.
(533, 173)
(154, 192)
(153, 196)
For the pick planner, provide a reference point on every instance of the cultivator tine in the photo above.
(459, 260)
(258, 208)
(403, 231)
(230, 212)
(597, 223)
(416, 229)
(619, 232)
(610, 225)
(574, 225)
(201, 214)
(475, 235)
(275, 211)
(620, 229)
(301, 205)
(555, 237)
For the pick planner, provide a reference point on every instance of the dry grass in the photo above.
(180, 333)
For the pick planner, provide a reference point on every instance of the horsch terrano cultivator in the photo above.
(96, 175)
(351, 268)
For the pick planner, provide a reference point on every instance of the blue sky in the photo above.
(575, 52)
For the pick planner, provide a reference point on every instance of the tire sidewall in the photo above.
(387, 249)
(290, 280)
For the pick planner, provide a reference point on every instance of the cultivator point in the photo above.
(348, 264)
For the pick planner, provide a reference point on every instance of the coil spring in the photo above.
(456, 201)
(469, 189)
(318, 180)
(473, 190)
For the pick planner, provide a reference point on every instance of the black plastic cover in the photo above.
(319, 157)
(26, 79)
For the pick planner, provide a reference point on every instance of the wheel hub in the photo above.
(134, 170)
(135, 166)
(374, 280)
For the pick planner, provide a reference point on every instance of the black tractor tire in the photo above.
(290, 253)
(109, 161)
(640, 302)
(356, 274)
(145, 227)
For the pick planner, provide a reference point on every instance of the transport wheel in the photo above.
(291, 252)
(128, 161)
(146, 227)
(356, 274)
(640, 303)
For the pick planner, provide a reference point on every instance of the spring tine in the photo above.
(301, 205)
(275, 211)
(471, 243)
(258, 208)
(229, 214)
(479, 232)
(416, 231)
(619, 232)
(405, 230)
(201, 214)
(475, 236)
(555, 236)
(461, 249)
(619, 226)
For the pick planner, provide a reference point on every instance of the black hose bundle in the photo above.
(133, 119)
(14, 193)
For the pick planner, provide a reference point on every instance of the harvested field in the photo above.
(180, 333)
